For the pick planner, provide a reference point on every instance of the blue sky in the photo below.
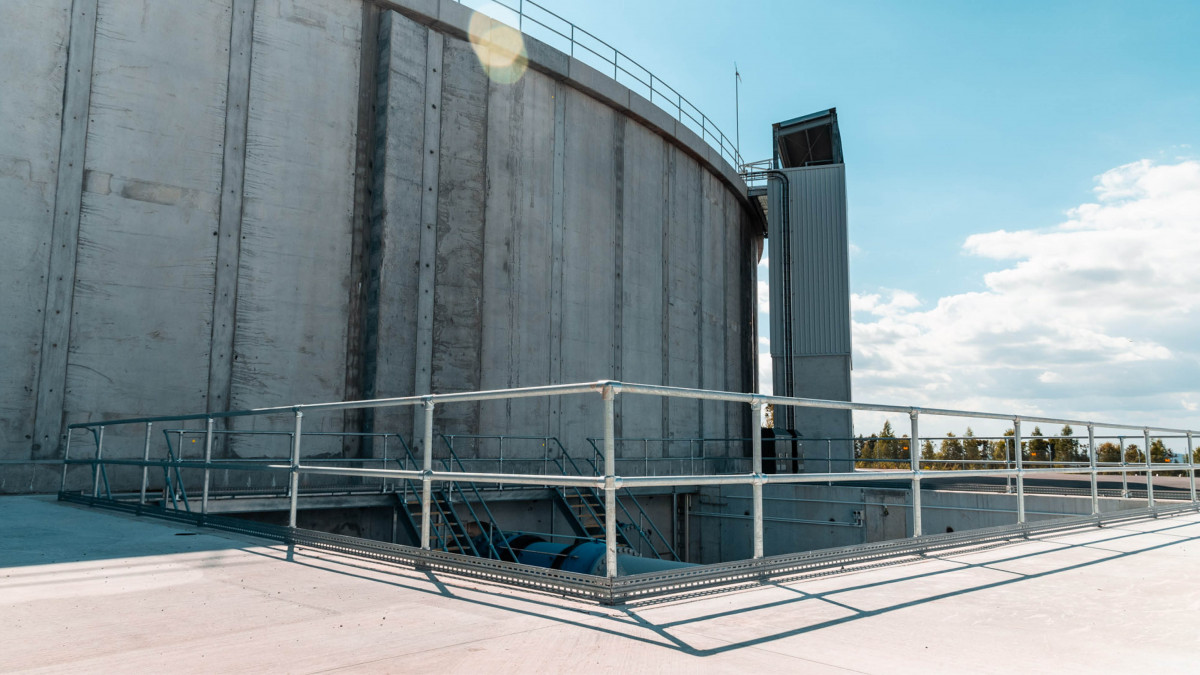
(976, 136)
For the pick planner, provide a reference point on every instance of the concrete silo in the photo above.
(228, 204)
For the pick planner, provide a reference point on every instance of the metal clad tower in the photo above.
(809, 282)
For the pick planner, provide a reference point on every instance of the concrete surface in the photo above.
(183, 227)
(90, 591)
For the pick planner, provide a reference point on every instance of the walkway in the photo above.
(92, 591)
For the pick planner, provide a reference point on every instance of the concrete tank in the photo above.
(222, 204)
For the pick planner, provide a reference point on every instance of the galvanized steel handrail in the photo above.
(669, 99)
(609, 482)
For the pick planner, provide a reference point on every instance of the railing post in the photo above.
(1191, 466)
(1149, 470)
(914, 456)
(610, 485)
(427, 473)
(1020, 470)
(1124, 473)
(756, 469)
(1008, 464)
(1092, 455)
(96, 468)
(208, 436)
(146, 458)
(294, 471)
(62, 486)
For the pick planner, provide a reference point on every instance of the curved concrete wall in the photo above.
(222, 204)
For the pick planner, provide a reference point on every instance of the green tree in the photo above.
(889, 447)
(1065, 450)
(1133, 454)
(1002, 450)
(864, 449)
(973, 449)
(952, 452)
(927, 453)
(1038, 447)
(1159, 454)
(1108, 452)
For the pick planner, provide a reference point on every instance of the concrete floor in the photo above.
(92, 591)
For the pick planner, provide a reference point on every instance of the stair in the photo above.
(586, 514)
(447, 531)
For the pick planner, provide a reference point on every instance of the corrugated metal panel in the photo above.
(820, 297)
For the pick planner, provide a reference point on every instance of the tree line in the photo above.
(886, 450)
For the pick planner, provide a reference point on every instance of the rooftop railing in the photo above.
(608, 481)
(535, 20)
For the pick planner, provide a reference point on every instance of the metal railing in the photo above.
(609, 482)
(578, 42)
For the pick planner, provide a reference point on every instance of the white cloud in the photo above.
(764, 296)
(1098, 317)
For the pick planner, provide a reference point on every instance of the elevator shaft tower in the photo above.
(810, 283)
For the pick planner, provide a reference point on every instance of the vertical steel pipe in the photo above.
(62, 486)
(1008, 464)
(1149, 469)
(426, 474)
(914, 456)
(1092, 463)
(146, 458)
(1124, 473)
(610, 486)
(208, 438)
(294, 471)
(1020, 469)
(756, 468)
(1191, 466)
(96, 467)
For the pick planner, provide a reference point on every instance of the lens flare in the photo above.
(500, 49)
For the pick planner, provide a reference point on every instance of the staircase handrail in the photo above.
(496, 529)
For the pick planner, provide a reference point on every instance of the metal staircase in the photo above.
(451, 530)
(587, 515)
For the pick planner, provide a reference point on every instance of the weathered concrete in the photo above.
(229, 228)
(29, 161)
(408, 198)
(294, 282)
(268, 202)
(59, 277)
(143, 291)
(91, 591)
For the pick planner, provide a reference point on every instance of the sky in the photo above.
(1023, 182)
